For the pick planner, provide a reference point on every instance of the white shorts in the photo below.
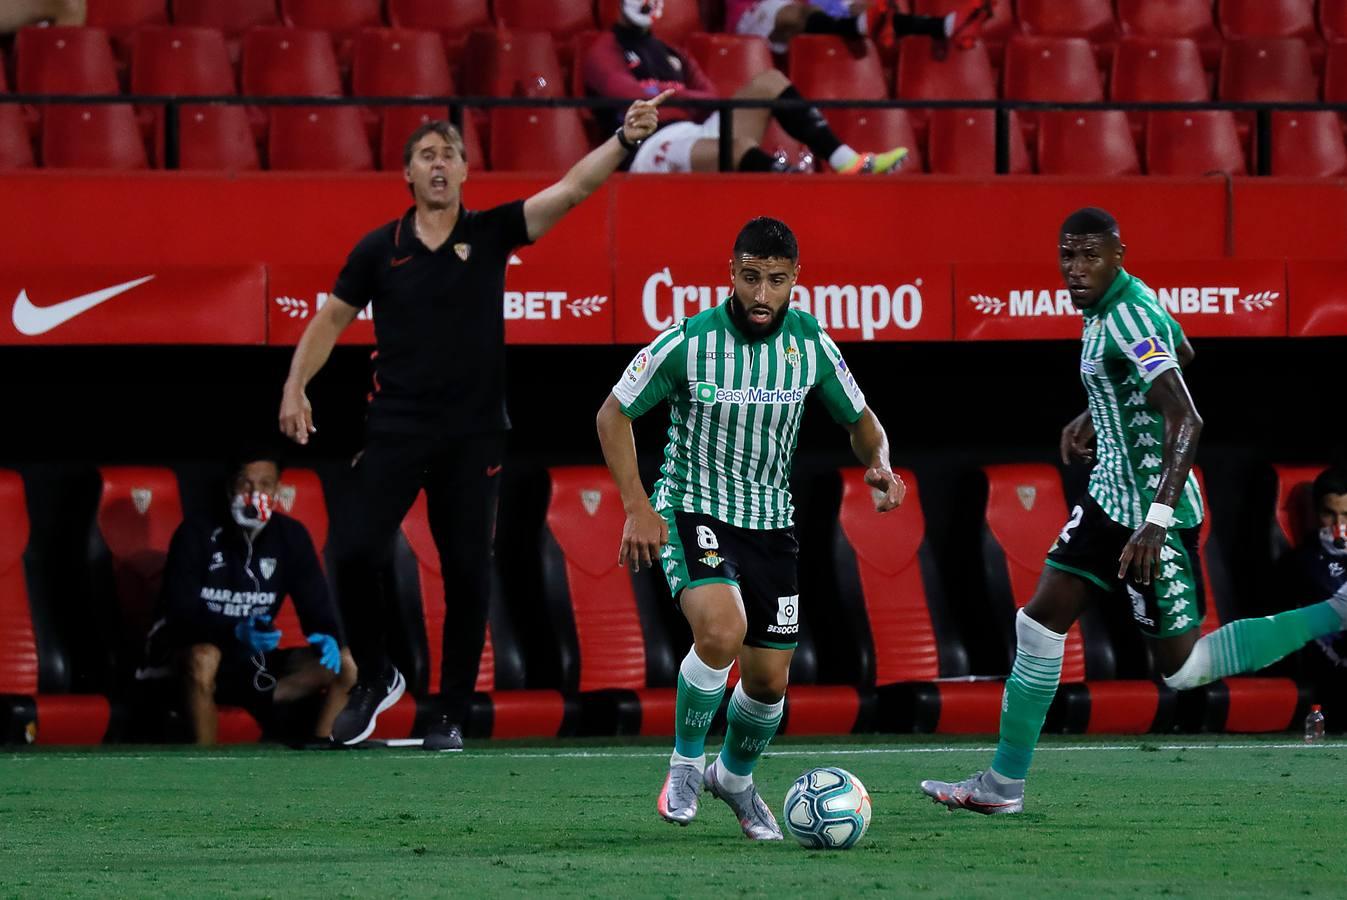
(760, 19)
(669, 150)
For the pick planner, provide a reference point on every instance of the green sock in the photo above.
(1029, 692)
(752, 725)
(1248, 645)
(700, 688)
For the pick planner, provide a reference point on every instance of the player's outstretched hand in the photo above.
(1142, 553)
(883, 479)
(643, 117)
(643, 534)
(1077, 444)
(296, 416)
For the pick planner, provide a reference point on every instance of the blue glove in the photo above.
(325, 645)
(257, 640)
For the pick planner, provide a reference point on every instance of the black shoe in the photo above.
(368, 699)
(443, 736)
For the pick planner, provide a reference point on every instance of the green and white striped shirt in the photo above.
(1129, 341)
(735, 405)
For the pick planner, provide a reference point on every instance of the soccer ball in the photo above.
(827, 809)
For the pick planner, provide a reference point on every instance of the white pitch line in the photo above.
(617, 754)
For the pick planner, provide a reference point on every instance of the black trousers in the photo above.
(460, 477)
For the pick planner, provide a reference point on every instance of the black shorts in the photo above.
(763, 564)
(1090, 546)
(249, 680)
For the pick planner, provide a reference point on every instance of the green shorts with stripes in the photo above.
(1090, 546)
(762, 564)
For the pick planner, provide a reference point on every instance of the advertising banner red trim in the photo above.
(1318, 297)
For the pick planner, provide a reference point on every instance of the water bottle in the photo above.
(1314, 725)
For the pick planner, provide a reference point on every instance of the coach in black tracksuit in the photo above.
(436, 279)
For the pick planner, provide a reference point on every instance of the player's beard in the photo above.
(739, 316)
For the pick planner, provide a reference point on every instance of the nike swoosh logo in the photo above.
(34, 320)
(398, 262)
(492, 471)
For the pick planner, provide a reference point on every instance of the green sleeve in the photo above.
(653, 374)
(837, 387)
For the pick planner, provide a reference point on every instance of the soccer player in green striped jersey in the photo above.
(720, 520)
(1135, 535)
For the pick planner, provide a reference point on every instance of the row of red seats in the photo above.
(949, 142)
(619, 661)
(398, 62)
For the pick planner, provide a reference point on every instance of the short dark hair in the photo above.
(262, 451)
(434, 126)
(767, 238)
(1090, 220)
(1332, 480)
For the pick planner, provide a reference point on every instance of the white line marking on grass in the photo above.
(642, 754)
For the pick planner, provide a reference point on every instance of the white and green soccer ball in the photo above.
(827, 809)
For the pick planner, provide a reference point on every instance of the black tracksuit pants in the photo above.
(460, 476)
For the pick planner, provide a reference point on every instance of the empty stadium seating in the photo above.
(16, 149)
(1192, 19)
(512, 64)
(1052, 68)
(536, 139)
(217, 138)
(879, 130)
(181, 60)
(454, 20)
(1294, 517)
(729, 60)
(1267, 70)
(1025, 512)
(1193, 143)
(1308, 144)
(233, 17)
(966, 75)
(1086, 142)
(400, 63)
(963, 142)
(319, 138)
(1333, 19)
(824, 66)
(294, 62)
(64, 61)
(1089, 19)
(26, 712)
(92, 137)
(885, 567)
(1152, 70)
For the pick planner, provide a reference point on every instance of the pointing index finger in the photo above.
(664, 95)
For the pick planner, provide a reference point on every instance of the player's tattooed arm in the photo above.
(1078, 438)
(870, 443)
(1183, 426)
(645, 531)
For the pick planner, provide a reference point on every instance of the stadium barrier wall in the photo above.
(185, 258)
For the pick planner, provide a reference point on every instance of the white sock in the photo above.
(842, 157)
(701, 676)
(697, 762)
(949, 25)
(732, 782)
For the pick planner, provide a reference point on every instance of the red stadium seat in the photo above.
(400, 121)
(963, 142)
(827, 67)
(454, 20)
(341, 17)
(1190, 19)
(233, 17)
(562, 18)
(400, 63)
(1087, 142)
(1295, 515)
(212, 137)
(138, 511)
(1090, 19)
(680, 23)
(1308, 144)
(1335, 73)
(536, 139)
(995, 32)
(512, 64)
(962, 75)
(1242, 703)
(16, 148)
(1267, 70)
(878, 130)
(1267, 18)
(289, 62)
(729, 60)
(1333, 19)
(57, 718)
(1157, 70)
(1193, 143)
(511, 711)
(126, 15)
(64, 61)
(1025, 513)
(92, 137)
(180, 60)
(884, 563)
(319, 138)
(1061, 69)
(300, 496)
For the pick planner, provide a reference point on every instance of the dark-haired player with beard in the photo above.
(720, 521)
(1134, 537)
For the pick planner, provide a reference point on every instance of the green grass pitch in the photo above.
(1116, 817)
